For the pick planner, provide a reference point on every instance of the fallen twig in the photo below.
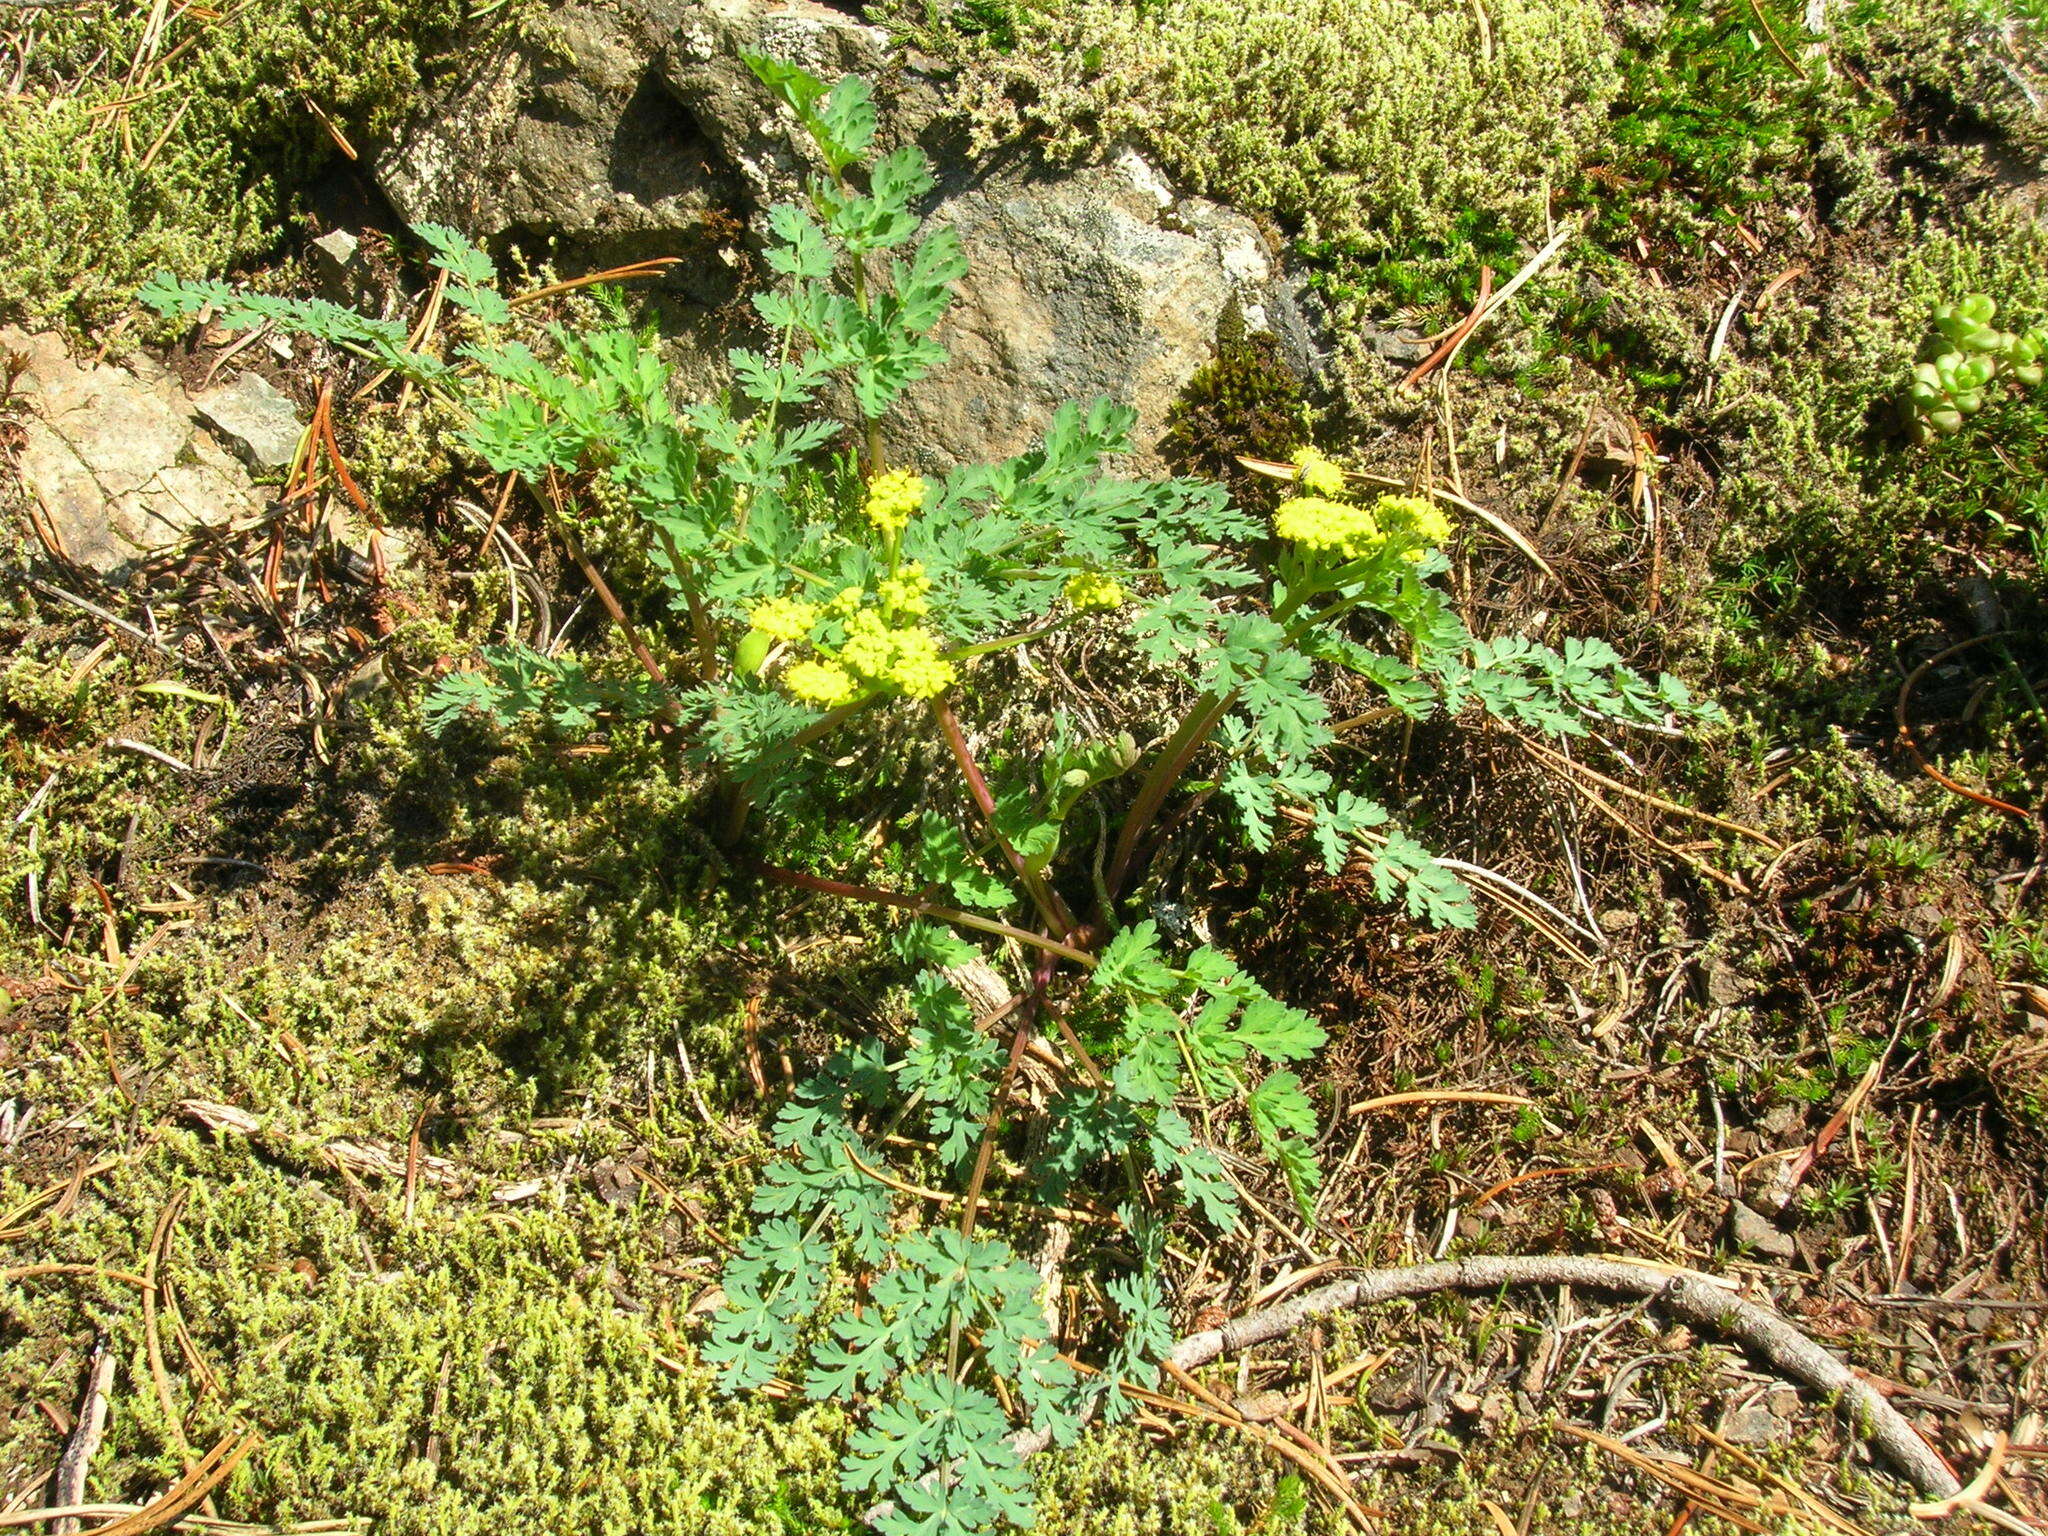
(1457, 333)
(1689, 1299)
(1705, 818)
(68, 1486)
(1437, 1096)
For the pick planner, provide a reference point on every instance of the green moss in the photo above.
(1823, 488)
(192, 162)
(1383, 120)
(1968, 66)
(475, 1365)
(1245, 400)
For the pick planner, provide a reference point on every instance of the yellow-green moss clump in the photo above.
(1822, 475)
(1378, 118)
(142, 139)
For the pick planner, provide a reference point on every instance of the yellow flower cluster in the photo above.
(1333, 527)
(907, 592)
(894, 499)
(1317, 475)
(904, 659)
(876, 654)
(1416, 516)
(1320, 520)
(823, 683)
(1092, 589)
(784, 618)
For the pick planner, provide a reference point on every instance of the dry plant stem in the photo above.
(153, 1335)
(1717, 1499)
(1703, 817)
(1690, 1300)
(1721, 877)
(188, 1492)
(1571, 470)
(498, 512)
(1457, 335)
(324, 422)
(31, 1271)
(654, 266)
(1912, 742)
(1312, 1459)
(802, 881)
(604, 591)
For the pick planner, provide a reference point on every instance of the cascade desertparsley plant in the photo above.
(808, 593)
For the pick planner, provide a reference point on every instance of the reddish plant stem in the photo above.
(1050, 907)
(1027, 1016)
(923, 908)
(1456, 334)
(604, 591)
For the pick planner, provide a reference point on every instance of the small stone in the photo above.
(363, 684)
(1923, 921)
(260, 424)
(1780, 1120)
(362, 547)
(1755, 1424)
(112, 458)
(1726, 986)
(1404, 349)
(1750, 1229)
(336, 266)
(614, 1182)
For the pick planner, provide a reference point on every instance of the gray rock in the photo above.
(580, 144)
(114, 460)
(640, 132)
(753, 133)
(260, 424)
(1751, 1229)
(1095, 283)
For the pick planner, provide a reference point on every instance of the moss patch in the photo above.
(1382, 119)
(175, 137)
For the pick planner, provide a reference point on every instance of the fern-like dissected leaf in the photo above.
(951, 1063)
(771, 1284)
(1203, 1183)
(1132, 962)
(941, 1448)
